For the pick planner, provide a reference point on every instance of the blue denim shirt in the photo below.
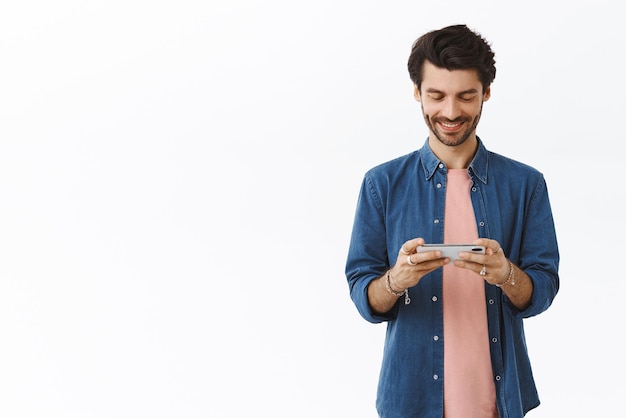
(404, 199)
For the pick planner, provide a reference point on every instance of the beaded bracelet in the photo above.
(511, 276)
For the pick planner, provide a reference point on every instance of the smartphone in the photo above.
(452, 251)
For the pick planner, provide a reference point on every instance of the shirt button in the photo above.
(434, 298)
(491, 301)
(436, 221)
(439, 185)
(435, 377)
(494, 340)
(436, 338)
(498, 378)
(440, 165)
(473, 189)
(482, 223)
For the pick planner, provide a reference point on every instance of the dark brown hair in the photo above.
(454, 48)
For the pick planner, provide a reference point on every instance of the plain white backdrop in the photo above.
(178, 181)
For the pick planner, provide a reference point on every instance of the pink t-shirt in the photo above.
(469, 390)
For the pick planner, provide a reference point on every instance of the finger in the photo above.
(493, 251)
(472, 266)
(473, 258)
(427, 257)
(411, 245)
(426, 266)
(491, 246)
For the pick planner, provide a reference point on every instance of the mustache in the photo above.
(446, 120)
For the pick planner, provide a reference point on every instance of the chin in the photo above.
(451, 142)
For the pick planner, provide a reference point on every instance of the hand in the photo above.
(492, 266)
(411, 266)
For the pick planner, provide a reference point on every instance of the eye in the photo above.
(436, 97)
(467, 98)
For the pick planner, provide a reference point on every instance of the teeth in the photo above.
(450, 125)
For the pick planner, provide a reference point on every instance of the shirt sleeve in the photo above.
(539, 255)
(367, 255)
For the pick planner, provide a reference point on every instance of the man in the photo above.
(455, 344)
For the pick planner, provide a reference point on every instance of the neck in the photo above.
(459, 156)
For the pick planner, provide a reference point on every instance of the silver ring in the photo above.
(403, 251)
(483, 271)
(408, 260)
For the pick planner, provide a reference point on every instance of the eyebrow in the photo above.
(469, 91)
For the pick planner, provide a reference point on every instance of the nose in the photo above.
(451, 109)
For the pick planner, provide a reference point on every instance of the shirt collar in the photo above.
(477, 168)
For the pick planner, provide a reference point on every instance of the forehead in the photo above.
(451, 82)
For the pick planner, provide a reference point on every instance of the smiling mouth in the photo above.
(450, 126)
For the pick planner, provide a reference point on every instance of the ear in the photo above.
(416, 93)
(487, 94)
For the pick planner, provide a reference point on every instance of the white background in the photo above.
(178, 181)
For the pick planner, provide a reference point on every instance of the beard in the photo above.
(452, 139)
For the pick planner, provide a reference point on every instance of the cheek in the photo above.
(427, 110)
